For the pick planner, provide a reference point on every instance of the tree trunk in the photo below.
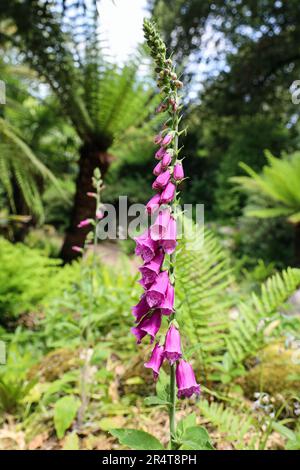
(20, 230)
(91, 156)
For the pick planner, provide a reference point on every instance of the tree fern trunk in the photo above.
(91, 156)
(20, 230)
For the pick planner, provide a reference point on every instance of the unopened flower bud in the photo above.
(84, 223)
(178, 84)
(178, 173)
(77, 249)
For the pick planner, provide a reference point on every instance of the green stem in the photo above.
(172, 408)
(87, 333)
(172, 412)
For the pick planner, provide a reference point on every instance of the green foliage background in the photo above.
(237, 294)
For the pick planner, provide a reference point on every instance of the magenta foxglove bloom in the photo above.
(156, 360)
(178, 173)
(153, 204)
(157, 292)
(160, 153)
(145, 246)
(77, 249)
(162, 180)
(168, 193)
(172, 345)
(160, 226)
(185, 379)
(167, 139)
(168, 241)
(84, 223)
(158, 169)
(166, 160)
(150, 270)
(144, 283)
(167, 307)
(138, 333)
(141, 308)
(158, 139)
(149, 325)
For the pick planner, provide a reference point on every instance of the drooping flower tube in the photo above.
(160, 153)
(168, 193)
(167, 306)
(160, 226)
(141, 308)
(168, 241)
(172, 347)
(148, 325)
(167, 139)
(186, 381)
(158, 169)
(153, 204)
(157, 291)
(145, 246)
(150, 270)
(178, 173)
(162, 180)
(156, 360)
(166, 160)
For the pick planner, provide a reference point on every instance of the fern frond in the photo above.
(233, 424)
(246, 333)
(203, 277)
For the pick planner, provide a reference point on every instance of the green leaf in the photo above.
(195, 438)
(284, 431)
(295, 218)
(136, 440)
(155, 401)
(293, 444)
(162, 386)
(65, 411)
(185, 423)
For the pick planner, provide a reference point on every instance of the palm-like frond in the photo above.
(123, 99)
(101, 99)
(278, 183)
(18, 163)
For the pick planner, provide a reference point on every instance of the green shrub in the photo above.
(26, 278)
(107, 308)
(14, 385)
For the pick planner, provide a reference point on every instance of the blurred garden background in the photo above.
(78, 93)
